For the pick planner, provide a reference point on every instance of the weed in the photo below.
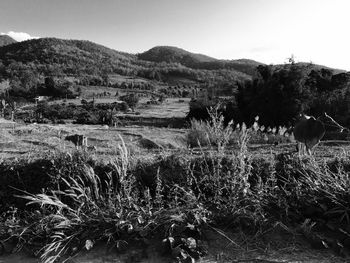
(211, 132)
(83, 211)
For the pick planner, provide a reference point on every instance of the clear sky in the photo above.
(269, 31)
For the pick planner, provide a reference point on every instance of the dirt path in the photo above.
(102, 256)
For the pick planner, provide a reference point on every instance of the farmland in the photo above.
(34, 140)
(160, 160)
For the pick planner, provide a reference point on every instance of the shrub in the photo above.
(43, 175)
(198, 134)
(131, 99)
(210, 133)
(315, 191)
(169, 170)
(32, 177)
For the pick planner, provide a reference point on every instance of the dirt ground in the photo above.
(223, 247)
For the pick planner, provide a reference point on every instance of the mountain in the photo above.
(59, 51)
(80, 58)
(6, 40)
(59, 57)
(174, 55)
(197, 61)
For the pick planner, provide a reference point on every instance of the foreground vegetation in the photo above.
(60, 204)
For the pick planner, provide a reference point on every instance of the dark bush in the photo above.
(43, 175)
(32, 177)
(262, 171)
(170, 170)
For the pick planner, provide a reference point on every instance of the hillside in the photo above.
(174, 55)
(65, 56)
(58, 57)
(197, 61)
(6, 40)
(308, 67)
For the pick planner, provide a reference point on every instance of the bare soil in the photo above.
(223, 247)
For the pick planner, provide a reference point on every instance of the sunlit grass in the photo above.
(128, 198)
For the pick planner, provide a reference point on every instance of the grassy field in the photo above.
(242, 197)
(19, 140)
(170, 108)
(34, 140)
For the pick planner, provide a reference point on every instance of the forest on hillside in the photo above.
(275, 93)
(26, 64)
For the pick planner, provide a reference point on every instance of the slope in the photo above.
(6, 40)
(197, 61)
(52, 56)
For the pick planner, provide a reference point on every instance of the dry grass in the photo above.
(35, 140)
(234, 188)
(170, 108)
(262, 194)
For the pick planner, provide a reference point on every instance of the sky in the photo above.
(269, 31)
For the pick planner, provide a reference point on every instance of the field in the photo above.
(21, 140)
(211, 202)
(34, 140)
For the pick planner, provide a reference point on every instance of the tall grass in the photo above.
(214, 132)
(258, 192)
(86, 212)
(168, 195)
(210, 132)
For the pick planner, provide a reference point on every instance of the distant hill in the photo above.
(59, 57)
(307, 67)
(197, 61)
(172, 65)
(6, 40)
(174, 55)
(52, 56)
(59, 51)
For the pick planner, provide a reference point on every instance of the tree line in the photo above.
(278, 94)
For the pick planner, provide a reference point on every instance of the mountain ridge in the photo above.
(6, 40)
(77, 57)
(168, 53)
(173, 54)
(55, 56)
